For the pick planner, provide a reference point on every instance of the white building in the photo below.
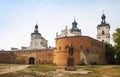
(37, 41)
(74, 31)
(103, 31)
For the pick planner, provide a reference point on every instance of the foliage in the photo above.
(116, 39)
(82, 63)
(110, 52)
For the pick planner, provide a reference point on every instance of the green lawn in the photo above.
(100, 71)
(41, 70)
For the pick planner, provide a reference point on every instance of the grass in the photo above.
(100, 71)
(43, 68)
(35, 71)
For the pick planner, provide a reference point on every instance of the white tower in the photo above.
(103, 31)
(37, 41)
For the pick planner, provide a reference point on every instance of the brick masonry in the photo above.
(94, 52)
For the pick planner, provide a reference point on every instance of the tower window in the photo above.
(103, 32)
(59, 48)
(66, 47)
(103, 41)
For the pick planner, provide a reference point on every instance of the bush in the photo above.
(82, 63)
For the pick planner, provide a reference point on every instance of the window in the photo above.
(41, 43)
(66, 47)
(59, 48)
(103, 41)
(107, 36)
(103, 33)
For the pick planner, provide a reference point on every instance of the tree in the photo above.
(116, 39)
(110, 52)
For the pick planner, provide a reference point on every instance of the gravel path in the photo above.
(12, 69)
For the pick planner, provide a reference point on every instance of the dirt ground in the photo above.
(8, 69)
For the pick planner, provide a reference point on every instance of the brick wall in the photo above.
(92, 49)
(6, 57)
(22, 56)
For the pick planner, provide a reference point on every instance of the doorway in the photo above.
(31, 60)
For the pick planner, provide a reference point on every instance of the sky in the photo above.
(18, 18)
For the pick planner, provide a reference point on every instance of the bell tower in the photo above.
(103, 30)
(37, 41)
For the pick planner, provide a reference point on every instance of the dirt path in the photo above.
(12, 69)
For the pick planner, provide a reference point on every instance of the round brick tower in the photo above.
(85, 48)
(61, 52)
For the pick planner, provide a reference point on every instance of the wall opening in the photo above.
(31, 60)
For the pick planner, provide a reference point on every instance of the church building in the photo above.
(37, 41)
(103, 30)
(74, 31)
(86, 48)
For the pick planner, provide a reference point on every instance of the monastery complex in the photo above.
(86, 48)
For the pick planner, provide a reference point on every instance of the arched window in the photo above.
(103, 32)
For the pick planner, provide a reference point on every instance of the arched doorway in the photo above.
(31, 60)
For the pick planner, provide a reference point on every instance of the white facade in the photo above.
(103, 31)
(74, 31)
(37, 41)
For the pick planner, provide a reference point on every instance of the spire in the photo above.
(103, 22)
(74, 20)
(36, 30)
(74, 24)
(103, 19)
(36, 27)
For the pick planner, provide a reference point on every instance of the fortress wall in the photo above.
(44, 56)
(6, 57)
(84, 47)
(22, 56)
(85, 44)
